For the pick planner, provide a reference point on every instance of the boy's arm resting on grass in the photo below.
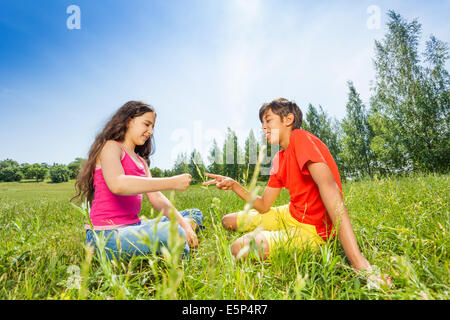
(120, 183)
(262, 203)
(332, 199)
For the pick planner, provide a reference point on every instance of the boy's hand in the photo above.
(375, 279)
(222, 182)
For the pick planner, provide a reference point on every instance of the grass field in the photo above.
(401, 225)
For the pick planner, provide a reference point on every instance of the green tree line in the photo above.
(12, 171)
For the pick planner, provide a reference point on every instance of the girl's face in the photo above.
(140, 129)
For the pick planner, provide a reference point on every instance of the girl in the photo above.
(115, 176)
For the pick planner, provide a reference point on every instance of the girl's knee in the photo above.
(191, 213)
(181, 232)
(195, 216)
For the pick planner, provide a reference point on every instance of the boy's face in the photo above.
(276, 128)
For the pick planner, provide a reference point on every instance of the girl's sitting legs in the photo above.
(145, 237)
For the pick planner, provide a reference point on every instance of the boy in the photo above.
(306, 168)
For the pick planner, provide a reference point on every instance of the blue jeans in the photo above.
(125, 242)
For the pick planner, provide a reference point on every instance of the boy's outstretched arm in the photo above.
(262, 203)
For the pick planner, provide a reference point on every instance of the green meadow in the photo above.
(401, 225)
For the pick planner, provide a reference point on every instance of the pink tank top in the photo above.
(109, 210)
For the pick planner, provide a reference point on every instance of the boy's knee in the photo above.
(229, 221)
(236, 246)
(261, 242)
(244, 243)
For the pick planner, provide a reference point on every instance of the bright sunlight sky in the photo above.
(205, 65)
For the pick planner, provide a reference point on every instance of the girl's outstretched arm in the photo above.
(120, 183)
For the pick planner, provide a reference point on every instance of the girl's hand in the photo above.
(191, 236)
(222, 182)
(182, 181)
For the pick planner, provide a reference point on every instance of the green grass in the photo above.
(401, 226)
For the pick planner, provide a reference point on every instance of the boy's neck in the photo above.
(284, 142)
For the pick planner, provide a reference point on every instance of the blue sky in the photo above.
(204, 65)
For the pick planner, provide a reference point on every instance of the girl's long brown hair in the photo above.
(115, 129)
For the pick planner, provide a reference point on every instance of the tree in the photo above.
(410, 105)
(232, 156)
(326, 129)
(215, 159)
(251, 155)
(168, 173)
(196, 166)
(8, 163)
(312, 120)
(180, 165)
(74, 167)
(40, 171)
(27, 170)
(156, 172)
(357, 156)
(437, 95)
(59, 173)
(10, 173)
(269, 154)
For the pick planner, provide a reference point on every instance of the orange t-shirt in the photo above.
(289, 170)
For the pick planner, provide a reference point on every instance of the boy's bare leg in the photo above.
(229, 221)
(241, 247)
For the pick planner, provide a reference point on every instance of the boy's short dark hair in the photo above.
(282, 107)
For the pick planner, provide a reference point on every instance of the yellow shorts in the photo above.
(279, 228)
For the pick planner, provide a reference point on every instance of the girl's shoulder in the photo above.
(112, 145)
(113, 142)
(112, 148)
